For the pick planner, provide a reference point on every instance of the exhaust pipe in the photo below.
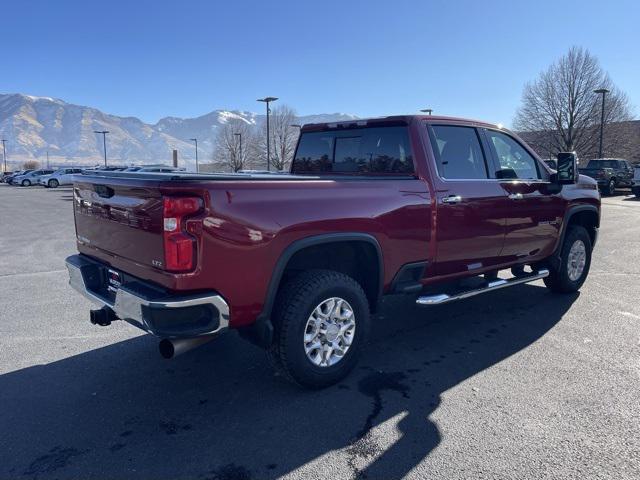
(172, 348)
(102, 317)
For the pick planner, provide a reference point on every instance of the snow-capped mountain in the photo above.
(34, 126)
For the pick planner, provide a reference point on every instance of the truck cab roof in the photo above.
(393, 120)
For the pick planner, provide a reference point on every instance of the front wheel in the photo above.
(636, 191)
(321, 324)
(26, 183)
(610, 188)
(53, 183)
(575, 260)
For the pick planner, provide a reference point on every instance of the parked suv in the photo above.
(412, 205)
(64, 176)
(610, 173)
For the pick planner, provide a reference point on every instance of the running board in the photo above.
(441, 298)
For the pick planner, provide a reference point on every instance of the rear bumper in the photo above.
(147, 306)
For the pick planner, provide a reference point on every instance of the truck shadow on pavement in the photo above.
(220, 413)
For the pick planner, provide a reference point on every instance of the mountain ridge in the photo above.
(34, 125)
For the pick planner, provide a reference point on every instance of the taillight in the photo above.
(179, 247)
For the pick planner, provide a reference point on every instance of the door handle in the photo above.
(452, 199)
(516, 196)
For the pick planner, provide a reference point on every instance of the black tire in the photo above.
(636, 191)
(26, 183)
(53, 183)
(610, 188)
(296, 302)
(558, 280)
(517, 271)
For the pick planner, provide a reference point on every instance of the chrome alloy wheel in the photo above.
(577, 260)
(329, 332)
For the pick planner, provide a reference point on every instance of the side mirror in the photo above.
(567, 171)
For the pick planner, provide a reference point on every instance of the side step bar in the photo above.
(441, 298)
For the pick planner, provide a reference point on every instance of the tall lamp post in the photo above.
(104, 142)
(267, 100)
(428, 111)
(4, 153)
(239, 135)
(196, 141)
(604, 92)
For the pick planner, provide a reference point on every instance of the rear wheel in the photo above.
(575, 260)
(53, 183)
(636, 191)
(321, 323)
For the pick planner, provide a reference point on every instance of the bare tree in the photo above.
(283, 137)
(31, 165)
(561, 112)
(234, 144)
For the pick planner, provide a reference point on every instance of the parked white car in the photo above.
(30, 178)
(64, 176)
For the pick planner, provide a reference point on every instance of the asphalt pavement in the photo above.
(516, 384)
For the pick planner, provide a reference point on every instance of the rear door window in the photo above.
(458, 152)
(364, 151)
(603, 164)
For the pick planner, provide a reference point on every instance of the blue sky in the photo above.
(185, 58)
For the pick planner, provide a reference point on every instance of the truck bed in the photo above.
(245, 223)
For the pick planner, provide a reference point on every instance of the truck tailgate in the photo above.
(121, 219)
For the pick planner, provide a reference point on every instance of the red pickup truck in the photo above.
(433, 207)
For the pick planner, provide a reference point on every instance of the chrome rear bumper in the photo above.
(142, 305)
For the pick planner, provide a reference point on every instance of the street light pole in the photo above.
(428, 111)
(4, 153)
(197, 167)
(267, 100)
(104, 143)
(239, 135)
(604, 92)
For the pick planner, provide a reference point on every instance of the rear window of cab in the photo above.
(355, 151)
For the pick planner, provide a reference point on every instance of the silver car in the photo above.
(30, 178)
(64, 176)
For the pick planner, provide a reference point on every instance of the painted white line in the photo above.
(30, 273)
